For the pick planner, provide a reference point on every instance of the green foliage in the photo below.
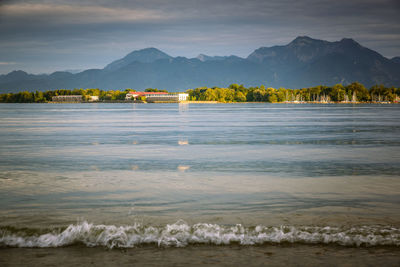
(382, 93)
(155, 90)
(336, 93)
(240, 96)
(234, 93)
(359, 90)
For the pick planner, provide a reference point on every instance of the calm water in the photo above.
(169, 174)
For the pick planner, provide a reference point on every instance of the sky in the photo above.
(44, 36)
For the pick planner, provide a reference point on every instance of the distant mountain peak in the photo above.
(147, 50)
(349, 42)
(302, 48)
(395, 60)
(305, 53)
(304, 41)
(203, 57)
(146, 55)
(17, 72)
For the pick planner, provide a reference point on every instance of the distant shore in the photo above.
(207, 102)
(354, 93)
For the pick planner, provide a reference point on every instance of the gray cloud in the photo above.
(43, 35)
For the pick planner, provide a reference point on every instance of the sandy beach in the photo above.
(233, 255)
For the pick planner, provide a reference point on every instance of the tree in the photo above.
(240, 97)
(360, 91)
(155, 90)
(272, 98)
(337, 93)
(39, 97)
(270, 95)
(210, 95)
(259, 95)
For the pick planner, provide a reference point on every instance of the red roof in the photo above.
(148, 93)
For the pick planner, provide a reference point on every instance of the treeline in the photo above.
(355, 92)
(42, 97)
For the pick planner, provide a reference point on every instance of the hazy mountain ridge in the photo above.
(396, 60)
(147, 55)
(308, 62)
(203, 57)
(303, 62)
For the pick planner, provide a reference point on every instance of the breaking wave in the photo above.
(181, 234)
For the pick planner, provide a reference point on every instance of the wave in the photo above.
(181, 234)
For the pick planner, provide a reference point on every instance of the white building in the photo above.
(93, 98)
(183, 96)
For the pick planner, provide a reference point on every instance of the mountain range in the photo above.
(304, 62)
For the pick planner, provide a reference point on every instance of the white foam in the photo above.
(181, 234)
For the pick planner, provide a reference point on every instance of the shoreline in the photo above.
(206, 102)
(202, 255)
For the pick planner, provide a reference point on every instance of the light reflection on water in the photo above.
(248, 163)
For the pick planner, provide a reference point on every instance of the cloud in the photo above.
(7, 63)
(48, 34)
(72, 14)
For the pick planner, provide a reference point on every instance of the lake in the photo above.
(176, 175)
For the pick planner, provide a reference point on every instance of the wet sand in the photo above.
(234, 255)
